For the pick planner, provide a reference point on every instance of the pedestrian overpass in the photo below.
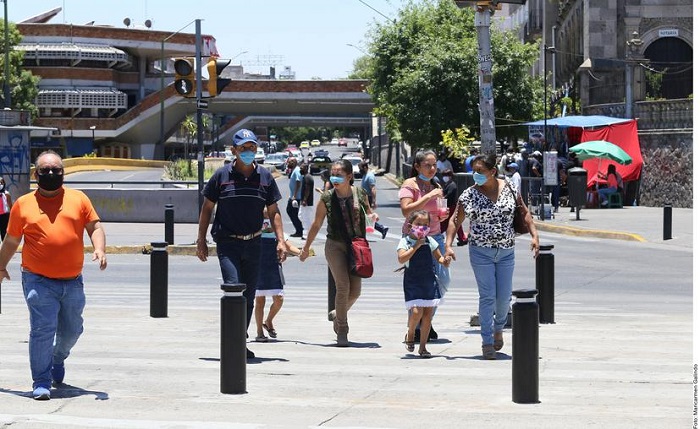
(244, 103)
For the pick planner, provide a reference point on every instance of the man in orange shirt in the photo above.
(52, 220)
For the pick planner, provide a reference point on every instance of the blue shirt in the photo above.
(468, 164)
(368, 182)
(240, 200)
(295, 180)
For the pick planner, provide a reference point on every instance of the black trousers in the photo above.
(293, 213)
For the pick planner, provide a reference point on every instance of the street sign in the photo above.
(202, 104)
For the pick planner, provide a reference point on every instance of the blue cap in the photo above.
(513, 165)
(244, 136)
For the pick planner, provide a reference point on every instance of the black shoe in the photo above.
(297, 235)
(249, 354)
(384, 232)
(432, 335)
(461, 243)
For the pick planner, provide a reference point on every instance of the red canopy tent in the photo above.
(623, 135)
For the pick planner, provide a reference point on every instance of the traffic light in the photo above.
(185, 79)
(216, 84)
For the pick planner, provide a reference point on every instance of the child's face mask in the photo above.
(420, 231)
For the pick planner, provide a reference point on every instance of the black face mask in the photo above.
(50, 182)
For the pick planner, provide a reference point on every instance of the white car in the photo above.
(260, 156)
(335, 142)
(355, 161)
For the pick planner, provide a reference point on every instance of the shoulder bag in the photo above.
(521, 216)
(359, 252)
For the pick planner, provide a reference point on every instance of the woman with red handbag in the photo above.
(344, 207)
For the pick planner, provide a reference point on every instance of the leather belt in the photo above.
(246, 237)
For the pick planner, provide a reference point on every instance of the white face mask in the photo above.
(447, 179)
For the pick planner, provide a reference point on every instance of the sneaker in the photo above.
(461, 243)
(249, 354)
(41, 393)
(58, 372)
(488, 352)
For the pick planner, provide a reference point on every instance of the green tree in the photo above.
(23, 84)
(424, 76)
(188, 127)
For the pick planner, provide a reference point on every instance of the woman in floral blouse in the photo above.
(490, 205)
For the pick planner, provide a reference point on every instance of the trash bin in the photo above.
(577, 183)
(463, 180)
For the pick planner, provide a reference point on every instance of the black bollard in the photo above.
(169, 224)
(544, 279)
(159, 279)
(331, 294)
(233, 346)
(526, 344)
(667, 221)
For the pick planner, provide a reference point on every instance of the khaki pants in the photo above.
(347, 286)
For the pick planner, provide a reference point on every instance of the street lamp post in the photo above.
(6, 84)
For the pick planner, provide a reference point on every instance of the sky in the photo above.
(311, 36)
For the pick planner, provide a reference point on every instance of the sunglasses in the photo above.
(43, 171)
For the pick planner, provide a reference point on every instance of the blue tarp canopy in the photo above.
(579, 121)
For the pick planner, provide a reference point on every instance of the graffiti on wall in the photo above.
(14, 161)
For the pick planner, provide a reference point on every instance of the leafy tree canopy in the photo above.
(423, 73)
(23, 85)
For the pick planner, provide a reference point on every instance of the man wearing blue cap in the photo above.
(240, 190)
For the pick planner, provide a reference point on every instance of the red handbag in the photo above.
(360, 258)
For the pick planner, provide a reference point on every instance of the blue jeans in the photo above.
(604, 193)
(493, 270)
(55, 312)
(239, 261)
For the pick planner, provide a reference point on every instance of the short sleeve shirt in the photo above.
(431, 207)
(368, 182)
(294, 180)
(53, 231)
(407, 242)
(490, 224)
(240, 200)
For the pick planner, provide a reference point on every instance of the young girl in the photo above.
(270, 280)
(420, 287)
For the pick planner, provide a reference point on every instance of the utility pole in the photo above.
(6, 85)
(482, 20)
(200, 137)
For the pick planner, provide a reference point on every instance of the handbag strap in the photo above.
(518, 199)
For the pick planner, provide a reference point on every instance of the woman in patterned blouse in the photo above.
(489, 205)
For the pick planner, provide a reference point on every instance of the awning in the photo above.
(580, 121)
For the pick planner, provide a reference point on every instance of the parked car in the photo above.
(315, 142)
(277, 160)
(319, 163)
(260, 156)
(304, 145)
(355, 161)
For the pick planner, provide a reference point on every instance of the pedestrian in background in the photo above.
(344, 208)
(306, 203)
(489, 207)
(240, 191)
(295, 184)
(369, 184)
(5, 206)
(416, 251)
(422, 192)
(52, 220)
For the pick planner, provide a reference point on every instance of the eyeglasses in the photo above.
(43, 171)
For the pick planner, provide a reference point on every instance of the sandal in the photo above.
(410, 345)
(270, 331)
(498, 340)
(425, 354)
(261, 339)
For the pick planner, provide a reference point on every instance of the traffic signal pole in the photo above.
(200, 136)
(486, 110)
